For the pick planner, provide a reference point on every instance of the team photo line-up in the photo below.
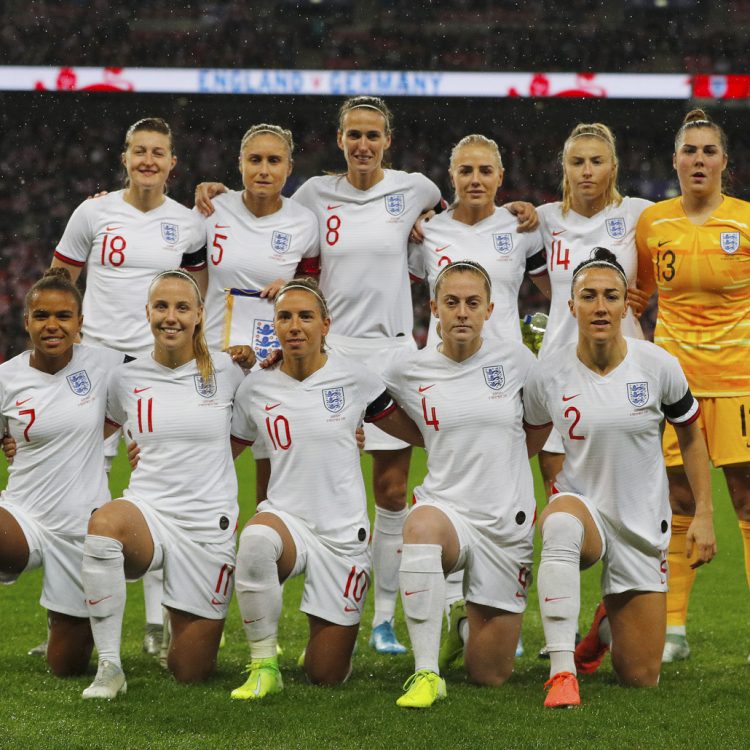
(285, 324)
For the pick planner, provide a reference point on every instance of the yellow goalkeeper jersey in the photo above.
(702, 274)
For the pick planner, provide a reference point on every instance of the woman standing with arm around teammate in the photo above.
(475, 510)
(52, 403)
(314, 520)
(179, 512)
(122, 239)
(695, 251)
(365, 217)
(608, 395)
(592, 213)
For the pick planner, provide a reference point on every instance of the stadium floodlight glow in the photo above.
(377, 82)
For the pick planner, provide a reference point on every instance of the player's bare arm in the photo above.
(204, 192)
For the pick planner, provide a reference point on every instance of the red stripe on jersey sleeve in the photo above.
(414, 279)
(112, 422)
(541, 271)
(197, 267)
(388, 410)
(309, 266)
(242, 441)
(687, 421)
(536, 426)
(70, 261)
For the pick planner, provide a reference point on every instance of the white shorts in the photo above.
(496, 574)
(554, 442)
(61, 556)
(375, 354)
(629, 563)
(336, 582)
(198, 576)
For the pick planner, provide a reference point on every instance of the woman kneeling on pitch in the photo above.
(179, 512)
(52, 403)
(475, 509)
(607, 397)
(314, 520)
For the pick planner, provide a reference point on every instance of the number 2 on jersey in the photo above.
(576, 419)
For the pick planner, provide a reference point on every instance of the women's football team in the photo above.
(140, 353)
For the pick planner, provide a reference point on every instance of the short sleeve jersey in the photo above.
(123, 249)
(470, 414)
(182, 426)
(569, 241)
(702, 273)
(249, 252)
(495, 243)
(307, 430)
(364, 236)
(57, 421)
(611, 430)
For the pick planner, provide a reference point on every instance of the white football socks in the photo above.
(258, 588)
(422, 583)
(103, 576)
(153, 592)
(560, 588)
(387, 540)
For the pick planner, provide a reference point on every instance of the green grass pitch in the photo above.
(703, 702)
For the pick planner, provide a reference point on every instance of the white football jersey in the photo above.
(247, 252)
(123, 249)
(57, 421)
(364, 236)
(497, 245)
(307, 430)
(569, 241)
(181, 424)
(470, 414)
(611, 431)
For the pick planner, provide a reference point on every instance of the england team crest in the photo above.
(281, 242)
(205, 388)
(616, 228)
(494, 377)
(730, 242)
(395, 204)
(503, 242)
(79, 383)
(638, 393)
(264, 338)
(333, 399)
(170, 233)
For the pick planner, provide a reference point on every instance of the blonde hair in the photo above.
(603, 133)
(281, 133)
(203, 359)
(697, 118)
(368, 102)
(307, 284)
(476, 140)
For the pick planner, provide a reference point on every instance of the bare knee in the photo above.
(390, 474)
(636, 675)
(491, 675)
(680, 495)
(104, 523)
(190, 671)
(327, 675)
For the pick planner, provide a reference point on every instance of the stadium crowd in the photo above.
(466, 35)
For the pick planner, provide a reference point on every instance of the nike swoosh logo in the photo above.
(663, 242)
(249, 622)
(21, 403)
(416, 591)
(440, 249)
(222, 226)
(94, 602)
(568, 398)
(338, 205)
(555, 598)
(140, 390)
(558, 232)
(112, 229)
(214, 600)
(256, 690)
(271, 406)
(423, 388)
(347, 608)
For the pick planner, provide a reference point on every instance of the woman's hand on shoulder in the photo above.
(204, 192)
(416, 234)
(528, 220)
(243, 355)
